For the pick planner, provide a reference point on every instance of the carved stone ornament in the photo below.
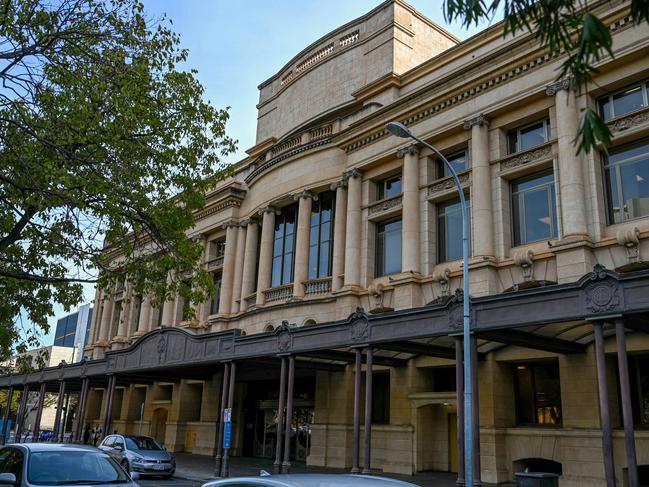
(456, 316)
(564, 84)
(526, 157)
(448, 183)
(352, 173)
(376, 293)
(411, 150)
(359, 325)
(385, 205)
(268, 209)
(478, 120)
(338, 184)
(525, 260)
(284, 337)
(161, 348)
(602, 297)
(111, 363)
(630, 121)
(630, 240)
(442, 276)
(305, 195)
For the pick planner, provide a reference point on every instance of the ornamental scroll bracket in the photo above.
(630, 240)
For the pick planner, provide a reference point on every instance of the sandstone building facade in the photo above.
(336, 248)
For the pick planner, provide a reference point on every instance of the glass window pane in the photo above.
(538, 219)
(454, 236)
(627, 101)
(615, 212)
(605, 108)
(313, 261)
(276, 278)
(524, 395)
(393, 248)
(324, 260)
(547, 394)
(512, 142)
(380, 253)
(532, 136)
(325, 231)
(635, 187)
(287, 273)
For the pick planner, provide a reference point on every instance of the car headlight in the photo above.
(138, 460)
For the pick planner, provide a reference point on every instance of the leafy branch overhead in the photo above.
(562, 26)
(105, 144)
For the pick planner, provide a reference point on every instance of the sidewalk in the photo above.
(201, 468)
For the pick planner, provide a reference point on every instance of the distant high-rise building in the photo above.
(72, 330)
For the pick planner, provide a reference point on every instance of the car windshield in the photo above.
(142, 443)
(73, 467)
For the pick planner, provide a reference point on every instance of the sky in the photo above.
(237, 44)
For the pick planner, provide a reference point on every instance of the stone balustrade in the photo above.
(215, 264)
(279, 293)
(317, 287)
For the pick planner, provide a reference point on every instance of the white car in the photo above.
(309, 480)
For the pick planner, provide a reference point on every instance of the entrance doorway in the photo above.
(265, 431)
(159, 425)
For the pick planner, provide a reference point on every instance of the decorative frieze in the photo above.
(448, 183)
(385, 205)
(522, 158)
(478, 120)
(631, 121)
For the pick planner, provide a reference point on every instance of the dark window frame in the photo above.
(442, 250)
(382, 191)
(281, 226)
(518, 198)
(608, 100)
(380, 250)
(441, 171)
(532, 366)
(216, 297)
(514, 144)
(321, 238)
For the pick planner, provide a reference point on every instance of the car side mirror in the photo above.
(7, 479)
(135, 476)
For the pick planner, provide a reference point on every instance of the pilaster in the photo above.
(340, 222)
(301, 271)
(410, 259)
(353, 229)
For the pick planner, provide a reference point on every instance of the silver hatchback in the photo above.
(140, 454)
(46, 464)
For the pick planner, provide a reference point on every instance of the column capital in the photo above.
(479, 120)
(249, 221)
(338, 184)
(231, 224)
(562, 84)
(268, 209)
(412, 150)
(352, 173)
(306, 195)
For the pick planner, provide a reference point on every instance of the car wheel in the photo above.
(125, 465)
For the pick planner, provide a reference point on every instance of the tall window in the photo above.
(284, 247)
(528, 136)
(449, 230)
(458, 162)
(534, 208)
(214, 302)
(389, 187)
(627, 182)
(137, 310)
(321, 239)
(624, 101)
(538, 393)
(381, 397)
(388, 248)
(639, 379)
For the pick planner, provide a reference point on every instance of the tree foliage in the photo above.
(568, 26)
(107, 147)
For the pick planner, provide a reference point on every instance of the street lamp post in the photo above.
(400, 130)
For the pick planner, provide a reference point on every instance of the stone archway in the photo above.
(436, 445)
(159, 424)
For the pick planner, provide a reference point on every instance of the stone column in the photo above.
(358, 372)
(571, 179)
(59, 410)
(106, 314)
(277, 465)
(5, 419)
(83, 402)
(605, 418)
(39, 412)
(459, 400)
(302, 238)
(627, 412)
(249, 263)
(410, 213)
(144, 323)
(124, 313)
(353, 229)
(168, 318)
(340, 219)
(227, 278)
(481, 204)
(219, 438)
(238, 267)
(266, 251)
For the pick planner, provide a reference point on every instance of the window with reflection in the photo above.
(639, 380)
(457, 160)
(626, 173)
(449, 229)
(528, 136)
(534, 211)
(538, 394)
(321, 238)
(388, 248)
(216, 297)
(388, 187)
(624, 101)
(284, 246)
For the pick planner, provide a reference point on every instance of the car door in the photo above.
(118, 449)
(107, 444)
(12, 461)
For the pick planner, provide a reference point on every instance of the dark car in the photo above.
(47, 464)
